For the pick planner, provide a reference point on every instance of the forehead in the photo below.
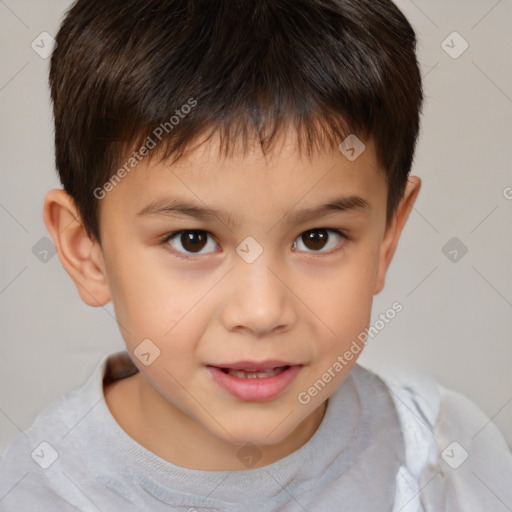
(248, 179)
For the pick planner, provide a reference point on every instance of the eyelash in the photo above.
(179, 254)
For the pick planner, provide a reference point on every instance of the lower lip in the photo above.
(257, 389)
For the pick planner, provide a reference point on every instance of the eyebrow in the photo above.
(174, 207)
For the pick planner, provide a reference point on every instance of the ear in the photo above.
(394, 230)
(81, 256)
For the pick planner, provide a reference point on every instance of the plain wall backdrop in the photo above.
(452, 271)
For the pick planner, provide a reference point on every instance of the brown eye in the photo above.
(191, 241)
(314, 240)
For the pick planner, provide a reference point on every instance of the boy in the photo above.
(236, 180)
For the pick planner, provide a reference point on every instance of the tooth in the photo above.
(250, 374)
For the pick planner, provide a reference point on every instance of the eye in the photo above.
(193, 241)
(319, 238)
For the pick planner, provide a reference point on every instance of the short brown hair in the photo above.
(327, 68)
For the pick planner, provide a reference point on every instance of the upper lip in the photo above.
(254, 365)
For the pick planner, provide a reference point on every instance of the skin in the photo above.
(300, 303)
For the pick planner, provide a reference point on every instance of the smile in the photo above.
(248, 374)
(254, 384)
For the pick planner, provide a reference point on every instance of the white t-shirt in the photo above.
(386, 444)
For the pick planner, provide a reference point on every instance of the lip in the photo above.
(254, 366)
(257, 389)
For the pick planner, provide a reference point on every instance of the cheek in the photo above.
(153, 303)
(344, 300)
(348, 290)
(148, 302)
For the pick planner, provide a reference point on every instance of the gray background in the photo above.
(456, 321)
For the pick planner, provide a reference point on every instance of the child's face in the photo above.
(301, 302)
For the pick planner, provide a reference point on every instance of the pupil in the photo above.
(193, 240)
(315, 239)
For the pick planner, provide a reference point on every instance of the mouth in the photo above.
(252, 381)
(258, 374)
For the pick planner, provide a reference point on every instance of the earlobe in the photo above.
(81, 256)
(392, 235)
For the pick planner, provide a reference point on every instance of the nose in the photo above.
(258, 300)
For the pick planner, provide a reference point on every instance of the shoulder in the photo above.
(456, 458)
(45, 466)
(24, 485)
(30, 469)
